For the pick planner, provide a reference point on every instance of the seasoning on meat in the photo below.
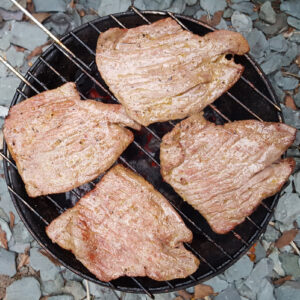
(60, 142)
(225, 171)
(161, 72)
(125, 227)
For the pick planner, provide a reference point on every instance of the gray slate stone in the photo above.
(178, 6)
(27, 35)
(27, 288)
(140, 4)
(40, 262)
(241, 22)
(297, 176)
(295, 37)
(260, 252)
(291, 7)
(266, 290)
(222, 24)
(3, 215)
(8, 87)
(244, 291)
(260, 271)
(257, 42)
(270, 30)
(284, 82)
(241, 269)
(278, 43)
(158, 4)
(4, 226)
(290, 290)
(3, 111)
(294, 22)
(199, 14)
(47, 6)
(290, 264)
(4, 42)
(288, 207)
(21, 234)
(212, 6)
(61, 23)
(53, 286)
(7, 4)
(229, 294)
(267, 13)
(217, 284)
(61, 297)
(15, 58)
(101, 292)
(273, 63)
(69, 275)
(191, 2)
(290, 55)
(113, 6)
(277, 263)
(74, 288)
(271, 234)
(227, 13)
(243, 7)
(191, 10)
(5, 201)
(7, 262)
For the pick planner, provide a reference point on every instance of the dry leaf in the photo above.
(11, 220)
(3, 239)
(24, 260)
(41, 17)
(289, 102)
(185, 295)
(215, 20)
(282, 280)
(36, 51)
(81, 13)
(251, 253)
(44, 298)
(178, 298)
(50, 257)
(286, 238)
(203, 290)
(19, 49)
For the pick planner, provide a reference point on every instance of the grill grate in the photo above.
(86, 72)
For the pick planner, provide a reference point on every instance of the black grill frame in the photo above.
(20, 203)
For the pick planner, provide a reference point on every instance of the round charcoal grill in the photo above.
(251, 98)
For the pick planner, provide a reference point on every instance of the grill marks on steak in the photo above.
(125, 227)
(60, 142)
(161, 72)
(225, 171)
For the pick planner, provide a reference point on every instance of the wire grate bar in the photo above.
(28, 206)
(253, 223)
(266, 207)
(117, 21)
(38, 81)
(142, 287)
(200, 256)
(94, 27)
(244, 106)
(236, 235)
(82, 43)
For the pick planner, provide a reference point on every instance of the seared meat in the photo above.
(225, 172)
(161, 72)
(60, 142)
(125, 227)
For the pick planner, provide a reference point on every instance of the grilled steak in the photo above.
(225, 171)
(161, 72)
(125, 227)
(60, 142)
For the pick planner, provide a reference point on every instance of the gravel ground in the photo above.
(271, 269)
